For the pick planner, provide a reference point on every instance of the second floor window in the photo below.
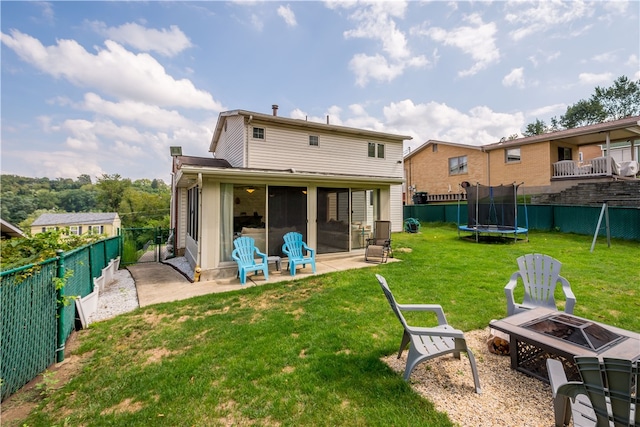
(258, 133)
(375, 150)
(313, 140)
(457, 165)
(512, 155)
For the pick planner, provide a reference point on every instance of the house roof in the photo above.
(297, 123)
(75, 218)
(619, 130)
(201, 161)
(431, 142)
(10, 230)
(187, 175)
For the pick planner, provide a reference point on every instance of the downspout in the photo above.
(488, 165)
(196, 273)
(608, 155)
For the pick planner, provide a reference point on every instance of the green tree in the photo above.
(620, 100)
(537, 128)
(145, 209)
(111, 189)
(583, 113)
(78, 200)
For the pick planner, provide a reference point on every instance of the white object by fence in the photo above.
(88, 305)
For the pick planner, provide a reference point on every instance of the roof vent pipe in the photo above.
(327, 119)
(274, 107)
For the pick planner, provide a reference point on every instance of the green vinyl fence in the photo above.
(37, 318)
(624, 222)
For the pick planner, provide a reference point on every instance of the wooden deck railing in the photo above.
(570, 168)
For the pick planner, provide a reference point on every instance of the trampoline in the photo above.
(493, 212)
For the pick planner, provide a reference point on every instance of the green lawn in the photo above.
(308, 352)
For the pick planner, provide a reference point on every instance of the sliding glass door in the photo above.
(287, 212)
(333, 220)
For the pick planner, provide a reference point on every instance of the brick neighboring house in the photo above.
(107, 223)
(546, 163)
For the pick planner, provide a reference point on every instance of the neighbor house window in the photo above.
(75, 230)
(375, 150)
(313, 140)
(457, 165)
(564, 153)
(434, 148)
(258, 133)
(96, 229)
(512, 155)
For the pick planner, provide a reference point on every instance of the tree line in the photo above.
(620, 100)
(139, 203)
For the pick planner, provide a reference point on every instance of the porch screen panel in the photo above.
(287, 212)
(333, 220)
(359, 228)
(226, 221)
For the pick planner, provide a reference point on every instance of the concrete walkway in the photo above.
(158, 282)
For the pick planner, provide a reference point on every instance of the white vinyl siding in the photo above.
(232, 141)
(397, 214)
(338, 153)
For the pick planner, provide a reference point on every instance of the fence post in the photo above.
(60, 314)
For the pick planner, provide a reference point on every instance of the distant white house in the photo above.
(270, 175)
(107, 223)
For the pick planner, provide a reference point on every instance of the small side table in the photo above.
(275, 260)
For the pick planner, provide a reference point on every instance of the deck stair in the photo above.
(617, 193)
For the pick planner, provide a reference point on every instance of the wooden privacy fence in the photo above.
(38, 316)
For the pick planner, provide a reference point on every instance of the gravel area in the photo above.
(509, 398)
(119, 296)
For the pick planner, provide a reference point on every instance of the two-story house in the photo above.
(107, 223)
(270, 175)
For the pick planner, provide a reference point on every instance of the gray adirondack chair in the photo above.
(539, 275)
(428, 343)
(607, 395)
(379, 246)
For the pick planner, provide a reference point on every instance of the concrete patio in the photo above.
(162, 282)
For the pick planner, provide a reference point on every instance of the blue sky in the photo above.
(107, 87)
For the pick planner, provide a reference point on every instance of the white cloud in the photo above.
(542, 16)
(287, 14)
(595, 79)
(548, 110)
(165, 42)
(113, 70)
(56, 163)
(514, 78)
(256, 22)
(376, 21)
(434, 120)
(47, 11)
(147, 115)
(606, 57)
(477, 40)
(376, 67)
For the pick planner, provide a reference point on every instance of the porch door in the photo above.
(287, 208)
(333, 220)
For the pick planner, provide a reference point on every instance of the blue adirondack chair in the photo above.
(295, 249)
(244, 254)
